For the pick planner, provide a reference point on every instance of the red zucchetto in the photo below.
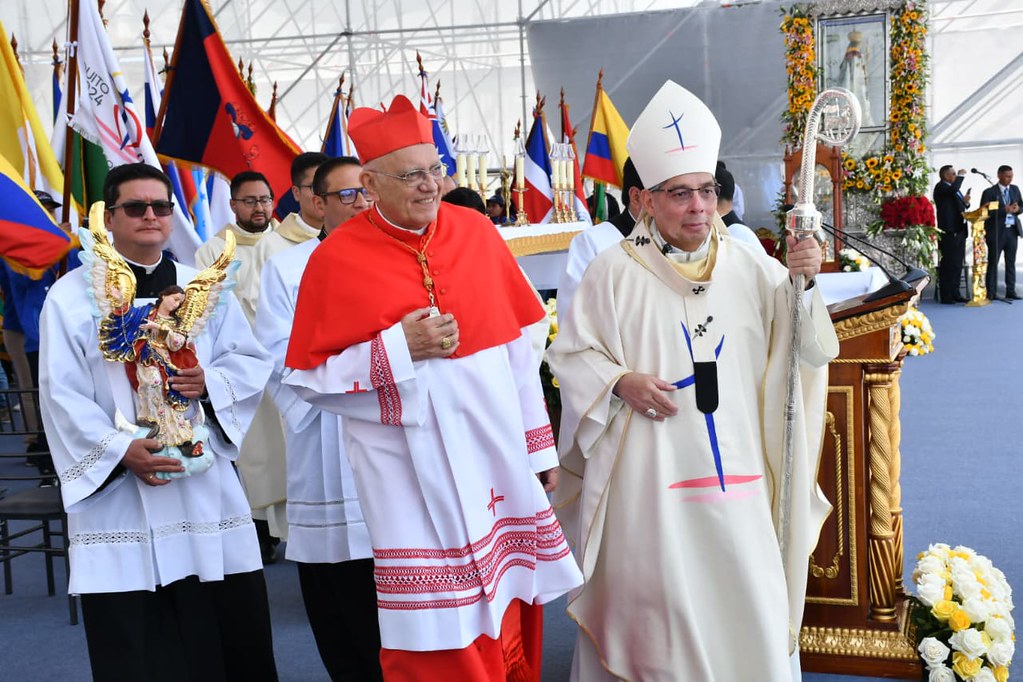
(376, 132)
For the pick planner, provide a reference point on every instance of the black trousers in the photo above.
(341, 602)
(1006, 244)
(950, 267)
(188, 631)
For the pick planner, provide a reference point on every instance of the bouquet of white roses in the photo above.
(852, 260)
(962, 613)
(917, 334)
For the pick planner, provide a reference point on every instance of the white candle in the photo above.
(483, 171)
(460, 170)
(520, 172)
(470, 171)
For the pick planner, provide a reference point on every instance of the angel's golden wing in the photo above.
(110, 272)
(203, 293)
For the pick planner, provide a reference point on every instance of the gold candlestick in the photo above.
(522, 218)
(506, 194)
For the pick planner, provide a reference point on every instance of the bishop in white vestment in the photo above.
(673, 381)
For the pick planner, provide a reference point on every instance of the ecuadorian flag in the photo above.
(605, 148)
(30, 240)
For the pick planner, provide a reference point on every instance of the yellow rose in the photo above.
(964, 666)
(1001, 673)
(959, 620)
(944, 609)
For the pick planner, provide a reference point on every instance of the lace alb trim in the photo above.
(234, 400)
(117, 537)
(78, 470)
(201, 527)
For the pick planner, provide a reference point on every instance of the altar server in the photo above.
(673, 386)
(421, 351)
(169, 570)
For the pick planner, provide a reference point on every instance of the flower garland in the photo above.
(801, 67)
(909, 69)
(962, 613)
(900, 168)
(917, 334)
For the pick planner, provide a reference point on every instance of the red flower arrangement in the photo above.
(899, 213)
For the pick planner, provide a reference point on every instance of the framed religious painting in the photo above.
(853, 53)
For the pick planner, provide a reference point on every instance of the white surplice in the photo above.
(325, 523)
(130, 535)
(444, 452)
(684, 578)
(262, 461)
(583, 248)
(291, 231)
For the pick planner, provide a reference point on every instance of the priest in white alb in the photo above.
(673, 367)
(409, 324)
(261, 462)
(167, 564)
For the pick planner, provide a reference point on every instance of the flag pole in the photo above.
(69, 99)
(272, 111)
(171, 67)
(56, 63)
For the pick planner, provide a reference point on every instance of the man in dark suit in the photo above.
(631, 187)
(950, 204)
(1003, 230)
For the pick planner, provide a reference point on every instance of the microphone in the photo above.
(896, 285)
(666, 249)
(982, 174)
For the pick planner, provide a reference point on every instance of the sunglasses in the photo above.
(137, 209)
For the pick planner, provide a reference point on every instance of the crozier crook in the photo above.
(834, 119)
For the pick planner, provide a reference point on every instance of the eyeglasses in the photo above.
(252, 201)
(137, 209)
(308, 187)
(683, 195)
(417, 177)
(348, 195)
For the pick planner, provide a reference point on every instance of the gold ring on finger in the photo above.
(445, 343)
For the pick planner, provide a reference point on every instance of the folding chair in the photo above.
(31, 503)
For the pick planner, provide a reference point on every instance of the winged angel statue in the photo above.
(155, 341)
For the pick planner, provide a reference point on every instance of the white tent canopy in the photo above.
(491, 57)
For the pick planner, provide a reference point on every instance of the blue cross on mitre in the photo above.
(674, 124)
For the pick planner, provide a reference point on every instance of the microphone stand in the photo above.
(896, 285)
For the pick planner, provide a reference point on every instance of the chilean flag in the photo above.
(539, 199)
(30, 240)
(209, 116)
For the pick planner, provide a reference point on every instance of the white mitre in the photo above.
(675, 134)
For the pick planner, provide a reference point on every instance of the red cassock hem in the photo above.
(514, 657)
